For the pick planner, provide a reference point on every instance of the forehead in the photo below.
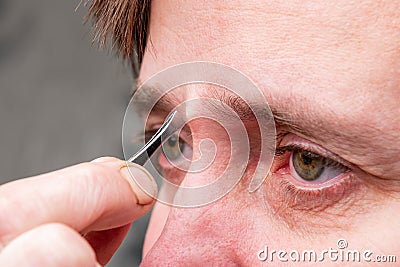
(341, 47)
(338, 60)
(343, 54)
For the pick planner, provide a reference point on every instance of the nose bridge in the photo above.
(190, 233)
(193, 235)
(211, 146)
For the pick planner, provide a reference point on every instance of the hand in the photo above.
(77, 216)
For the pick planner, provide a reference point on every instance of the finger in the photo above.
(49, 245)
(104, 159)
(106, 242)
(87, 197)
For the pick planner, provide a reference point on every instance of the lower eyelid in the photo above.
(168, 171)
(303, 208)
(299, 197)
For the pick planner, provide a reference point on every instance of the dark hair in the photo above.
(126, 22)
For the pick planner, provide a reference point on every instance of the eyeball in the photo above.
(310, 167)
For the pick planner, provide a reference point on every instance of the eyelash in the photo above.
(279, 151)
(306, 198)
(298, 197)
(149, 133)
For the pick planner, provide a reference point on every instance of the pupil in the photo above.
(306, 158)
(172, 140)
(308, 166)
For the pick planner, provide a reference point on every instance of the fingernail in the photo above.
(142, 183)
(104, 159)
(98, 264)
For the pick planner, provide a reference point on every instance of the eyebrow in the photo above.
(237, 104)
(345, 135)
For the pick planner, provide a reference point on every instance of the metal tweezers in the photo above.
(144, 154)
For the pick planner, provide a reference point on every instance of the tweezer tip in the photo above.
(149, 147)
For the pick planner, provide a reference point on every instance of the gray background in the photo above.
(62, 101)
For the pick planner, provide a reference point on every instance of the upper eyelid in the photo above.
(331, 162)
(154, 127)
(294, 142)
(185, 134)
(312, 147)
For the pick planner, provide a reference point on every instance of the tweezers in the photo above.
(144, 154)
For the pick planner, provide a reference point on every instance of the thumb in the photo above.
(94, 196)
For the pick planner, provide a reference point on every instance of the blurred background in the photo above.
(62, 100)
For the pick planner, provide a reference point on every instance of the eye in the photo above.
(310, 167)
(174, 147)
(175, 152)
(310, 182)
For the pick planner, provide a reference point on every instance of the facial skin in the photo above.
(337, 69)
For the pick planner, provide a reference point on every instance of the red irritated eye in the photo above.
(307, 177)
(309, 167)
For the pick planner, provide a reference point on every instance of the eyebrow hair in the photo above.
(346, 136)
(247, 113)
(236, 103)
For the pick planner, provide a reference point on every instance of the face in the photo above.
(336, 173)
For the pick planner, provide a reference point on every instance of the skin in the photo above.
(336, 66)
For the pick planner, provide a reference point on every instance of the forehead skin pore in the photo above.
(336, 64)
